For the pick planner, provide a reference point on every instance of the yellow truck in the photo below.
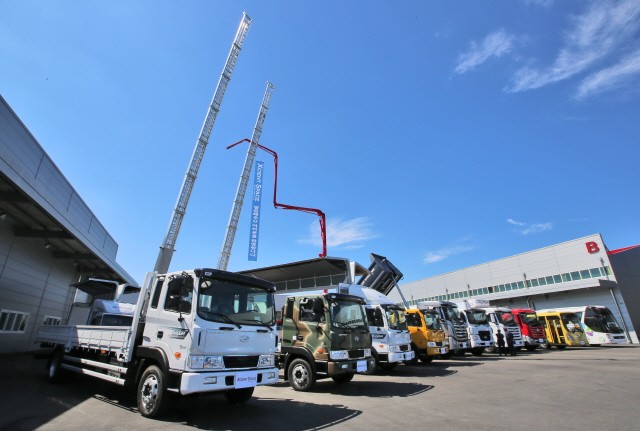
(428, 339)
(562, 329)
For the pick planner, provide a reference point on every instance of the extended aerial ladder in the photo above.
(232, 226)
(167, 247)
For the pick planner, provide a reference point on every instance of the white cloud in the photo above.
(443, 253)
(528, 228)
(342, 233)
(494, 45)
(594, 35)
(611, 76)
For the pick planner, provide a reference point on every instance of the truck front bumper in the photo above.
(192, 383)
(350, 367)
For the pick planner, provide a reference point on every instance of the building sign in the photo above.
(592, 247)
(255, 212)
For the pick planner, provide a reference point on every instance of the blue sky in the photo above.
(441, 135)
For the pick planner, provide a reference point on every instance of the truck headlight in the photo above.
(338, 354)
(432, 344)
(394, 348)
(266, 360)
(475, 337)
(208, 362)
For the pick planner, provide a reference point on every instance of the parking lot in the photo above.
(586, 388)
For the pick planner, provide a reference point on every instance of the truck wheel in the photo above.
(301, 375)
(387, 367)
(55, 372)
(238, 396)
(426, 359)
(151, 392)
(561, 347)
(492, 349)
(477, 351)
(343, 378)
(531, 347)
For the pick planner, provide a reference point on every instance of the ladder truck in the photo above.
(167, 247)
(230, 234)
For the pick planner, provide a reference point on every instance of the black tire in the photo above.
(152, 392)
(426, 359)
(55, 372)
(561, 347)
(239, 396)
(447, 355)
(477, 351)
(300, 374)
(531, 347)
(492, 349)
(343, 378)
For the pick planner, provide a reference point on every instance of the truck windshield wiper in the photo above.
(259, 322)
(227, 319)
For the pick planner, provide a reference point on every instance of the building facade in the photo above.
(49, 239)
(574, 273)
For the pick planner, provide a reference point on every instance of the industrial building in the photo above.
(49, 239)
(573, 273)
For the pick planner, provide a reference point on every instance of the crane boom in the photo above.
(167, 247)
(232, 226)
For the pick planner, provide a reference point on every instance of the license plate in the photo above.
(443, 350)
(246, 379)
(541, 340)
(361, 366)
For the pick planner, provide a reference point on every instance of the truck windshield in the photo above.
(451, 312)
(601, 320)
(226, 301)
(432, 320)
(530, 319)
(477, 317)
(571, 321)
(396, 318)
(347, 314)
(506, 318)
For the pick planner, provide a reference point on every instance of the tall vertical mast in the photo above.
(167, 247)
(225, 254)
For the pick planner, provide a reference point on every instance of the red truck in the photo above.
(532, 330)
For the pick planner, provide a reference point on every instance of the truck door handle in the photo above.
(160, 334)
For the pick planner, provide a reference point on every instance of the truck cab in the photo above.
(428, 339)
(533, 333)
(323, 336)
(562, 328)
(452, 322)
(478, 328)
(501, 318)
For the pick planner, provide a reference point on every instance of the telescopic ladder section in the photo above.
(236, 209)
(167, 247)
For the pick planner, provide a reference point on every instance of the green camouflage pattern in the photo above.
(315, 325)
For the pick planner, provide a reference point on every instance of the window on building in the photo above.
(542, 281)
(51, 320)
(13, 321)
(575, 276)
(549, 279)
(585, 274)
(528, 283)
(521, 285)
(557, 278)
(534, 282)
(607, 270)
(566, 277)
(489, 289)
(595, 272)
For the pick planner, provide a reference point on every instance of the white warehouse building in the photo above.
(573, 273)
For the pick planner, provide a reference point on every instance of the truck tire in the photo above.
(426, 359)
(343, 378)
(387, 367)
(238, 396)
(477, 351)
(561, 347)
(301, 375)
(152, 393)
(531, 347)
(492, 349)
(55, 372)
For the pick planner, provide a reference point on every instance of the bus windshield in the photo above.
(530, 319)
(477, 317)
(432, 320)
(506, 318)
(601, 320)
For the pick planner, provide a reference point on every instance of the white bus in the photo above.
(599, 325)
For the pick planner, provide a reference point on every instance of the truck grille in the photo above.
(515, 332)
(537, 331)
(484, 335)
(404, 347)
(240, 361)
(356, 354)
(460, 333)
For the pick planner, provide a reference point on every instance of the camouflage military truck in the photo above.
(322, 336)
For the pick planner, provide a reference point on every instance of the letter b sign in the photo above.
(592, 247)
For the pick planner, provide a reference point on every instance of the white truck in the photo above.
(478, 328)
(500, 318)
(191, 332)
(453, 323)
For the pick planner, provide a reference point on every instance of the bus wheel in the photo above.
(301, 375)
(238, 396)
(343, 378)
(151, 392)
